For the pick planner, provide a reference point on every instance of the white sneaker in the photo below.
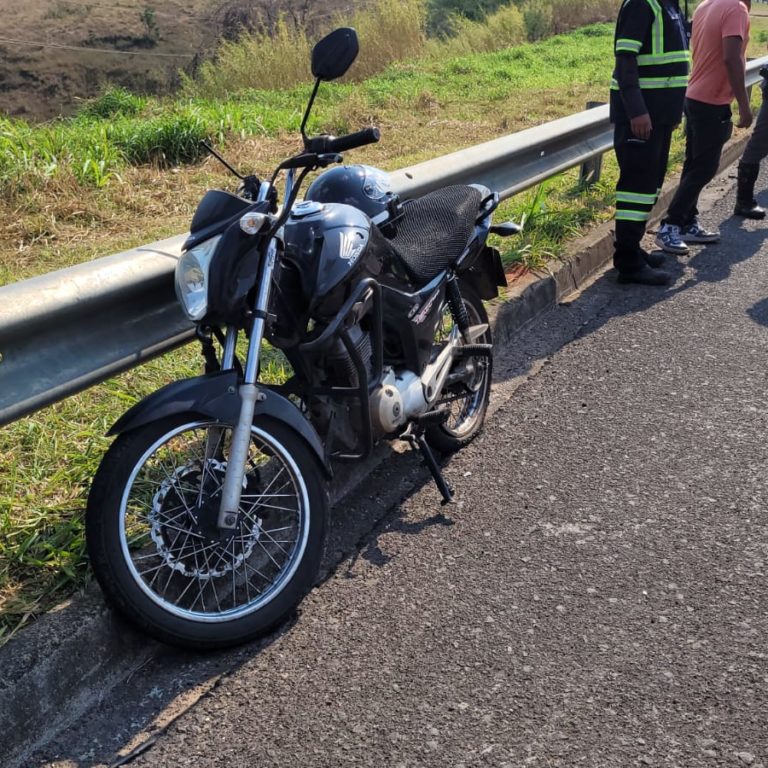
(695, 233)
(669, 239)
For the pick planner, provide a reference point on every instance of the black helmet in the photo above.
(361, 186)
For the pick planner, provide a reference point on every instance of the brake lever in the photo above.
(323, 161)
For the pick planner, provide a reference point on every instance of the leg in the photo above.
(749, 167)
(708, 127)
(757, 147)
(636, 193)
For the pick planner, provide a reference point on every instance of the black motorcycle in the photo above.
(207, 516)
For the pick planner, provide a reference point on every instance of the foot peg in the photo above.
(418, 441)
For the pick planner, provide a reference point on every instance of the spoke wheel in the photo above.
(466, 400)
(154, 541)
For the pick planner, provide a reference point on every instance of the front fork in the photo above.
(249, 396)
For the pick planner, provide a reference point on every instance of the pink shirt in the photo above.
(712, 21)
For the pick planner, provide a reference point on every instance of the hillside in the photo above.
(54, 53)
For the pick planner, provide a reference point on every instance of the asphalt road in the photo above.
(595, 597)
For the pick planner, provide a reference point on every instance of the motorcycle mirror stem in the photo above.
(308, 110)
(213, 152)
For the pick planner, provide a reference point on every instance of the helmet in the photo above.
(361, 186)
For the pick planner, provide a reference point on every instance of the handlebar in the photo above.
(319, 152)
(330, 144)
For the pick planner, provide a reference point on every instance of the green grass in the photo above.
(118, 130)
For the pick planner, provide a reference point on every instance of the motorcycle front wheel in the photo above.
(153, 541)
(466, 399)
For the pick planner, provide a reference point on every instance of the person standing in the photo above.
(647, 94)
(719, 43)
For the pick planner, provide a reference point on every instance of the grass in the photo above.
(428, 106)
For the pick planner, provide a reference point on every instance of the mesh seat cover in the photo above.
(435, 230)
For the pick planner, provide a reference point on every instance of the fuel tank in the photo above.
(329, 245)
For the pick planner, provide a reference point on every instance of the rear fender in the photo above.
(215, 396)
(486, 273)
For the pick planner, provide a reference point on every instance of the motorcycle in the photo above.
(206, 518)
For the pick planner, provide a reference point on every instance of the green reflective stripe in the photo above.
(673, 57)
(677, 81)
(631, 215)
(657, 39)
(635, 197)
(626, 44)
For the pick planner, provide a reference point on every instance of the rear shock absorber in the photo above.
(456, 303)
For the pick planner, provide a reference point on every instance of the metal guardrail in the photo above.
(68, 330)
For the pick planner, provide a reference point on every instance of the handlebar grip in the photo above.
(354, 140)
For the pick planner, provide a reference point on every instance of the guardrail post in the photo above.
(591, 170)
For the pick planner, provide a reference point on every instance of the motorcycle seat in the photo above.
(435, 229)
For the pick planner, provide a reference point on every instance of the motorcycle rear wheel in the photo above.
(467, 403)
(155, 548)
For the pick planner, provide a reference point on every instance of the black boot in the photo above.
(646, 275)
(746, 205)
(654, 259)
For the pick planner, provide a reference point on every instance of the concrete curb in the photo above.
(52, 672)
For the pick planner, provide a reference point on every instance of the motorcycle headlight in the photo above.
(192, 278)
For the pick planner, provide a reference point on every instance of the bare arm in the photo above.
(734, 65)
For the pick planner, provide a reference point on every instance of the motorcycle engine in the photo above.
(336, 421)
(399, 397)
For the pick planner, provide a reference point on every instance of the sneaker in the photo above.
(695, 233)
(669, 240)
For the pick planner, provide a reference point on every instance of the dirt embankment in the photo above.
(54, 53)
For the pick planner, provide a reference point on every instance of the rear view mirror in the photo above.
(333, 55)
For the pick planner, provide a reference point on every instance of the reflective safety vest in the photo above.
(654, 31)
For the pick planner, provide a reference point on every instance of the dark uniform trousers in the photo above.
(643, 165)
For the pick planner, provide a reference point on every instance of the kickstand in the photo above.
(416, 440)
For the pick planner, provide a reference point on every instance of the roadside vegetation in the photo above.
(127, 170)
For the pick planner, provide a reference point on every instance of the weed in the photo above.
(112, 102)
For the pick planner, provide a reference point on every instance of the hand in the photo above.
(641, 126)
(745, 116)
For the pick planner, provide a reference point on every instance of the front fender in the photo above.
(216, 396)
